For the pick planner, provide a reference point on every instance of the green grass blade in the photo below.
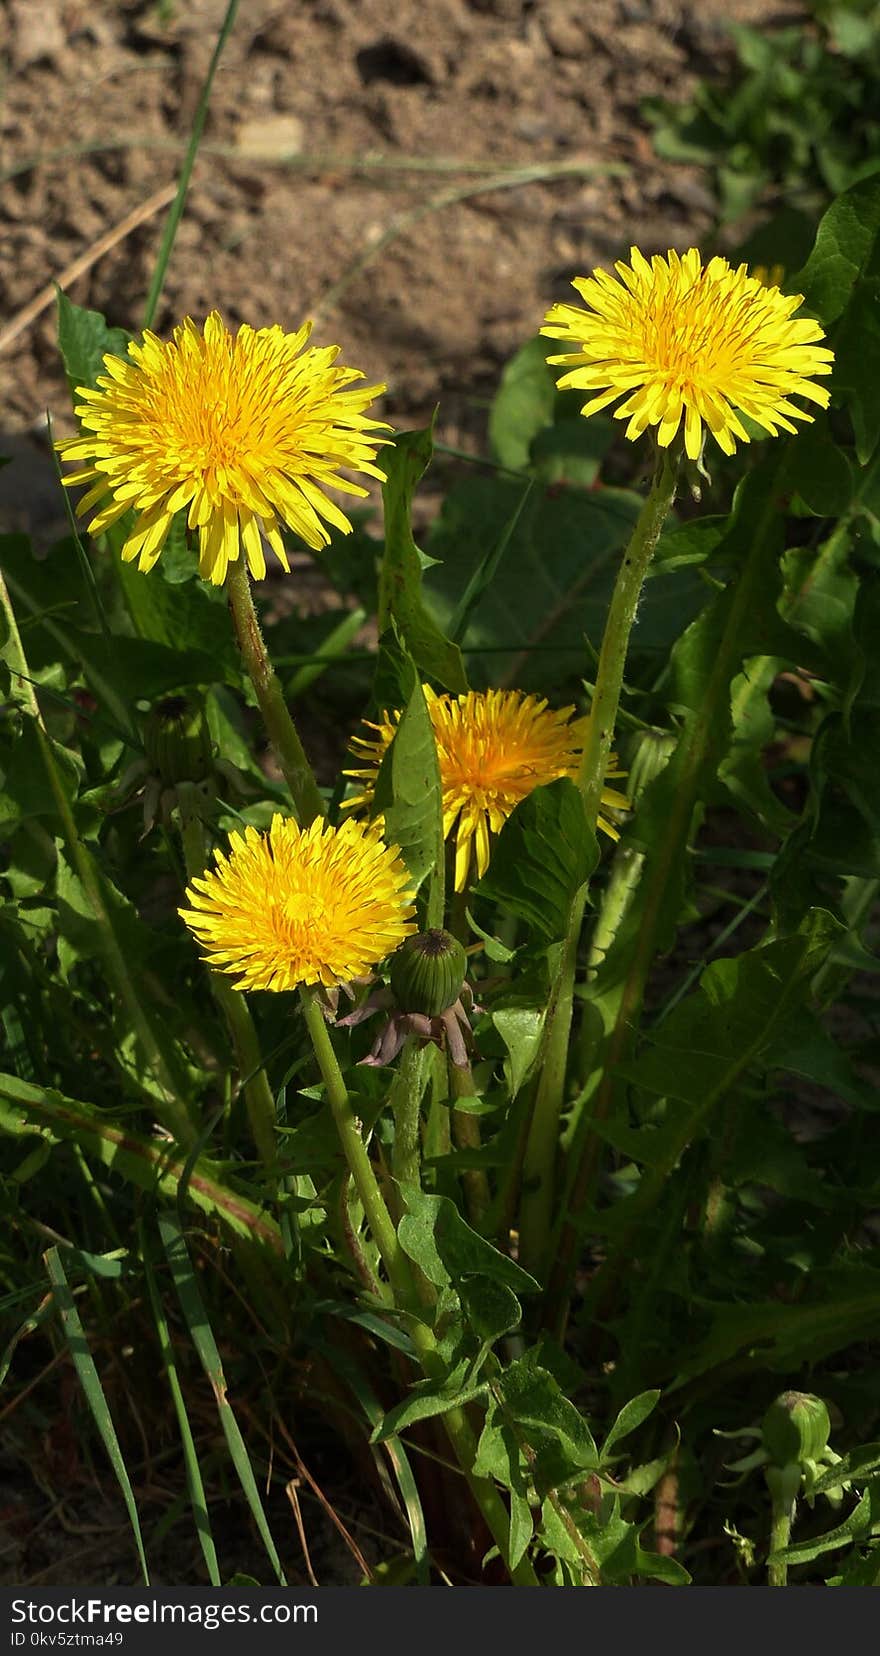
(176, 213)
(196, 1317)
(194, 1481)
(90, 1381)
(153, 1165)
(397, 1455)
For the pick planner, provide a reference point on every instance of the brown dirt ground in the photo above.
(317, 107)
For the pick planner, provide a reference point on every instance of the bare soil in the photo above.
(321, 113)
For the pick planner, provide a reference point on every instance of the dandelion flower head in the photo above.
(677, 339)
(493, 747)
(301, 905)
(245, 432)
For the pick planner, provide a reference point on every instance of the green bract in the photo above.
(427, 972)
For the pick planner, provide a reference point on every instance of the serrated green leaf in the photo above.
(400, 581)
(409, 796)
(853, 1528)
(433, 1234)
(85, 339)
(424, 1405)
(856, 1467)
(551, 1425)
(615, 1543)
(843, 1306)
(846, 245)
(544, 854)
(553, 589)
(713, 1036)
(523, 404)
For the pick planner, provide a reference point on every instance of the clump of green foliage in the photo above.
(639, 1348)
(792, 124)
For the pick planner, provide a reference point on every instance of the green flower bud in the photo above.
(177, 740)
(796, 1428)
(427, 972)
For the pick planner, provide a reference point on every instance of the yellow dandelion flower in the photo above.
(245, 432)
(679, 338)
(301, 905)
(493, 747)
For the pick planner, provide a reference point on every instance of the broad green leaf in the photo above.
(803, 1046)
(716, 1034)
(544, 854)
(615, 1543)
(408, 793)
(491, 1308)
(530, 629)
(521, 1528)
(820, 471)
(422, 1406)
(630, 1417)
(523, 404)
(551, 1425)
(841, 1306)
(857, 362)
(141, 669)
(571, 450)
(25, 789)
(85, 339)
(845, 250)
(433, 1234)
(520, 1028)
(400, 582)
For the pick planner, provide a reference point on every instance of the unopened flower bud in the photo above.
(177, 740)
(796, 1428)
(427, 972)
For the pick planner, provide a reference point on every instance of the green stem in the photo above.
(258, 1097)
(541, 1150)
(466, 1131)
(402, 1278)
(282, 731)
(780, 1536)
(177, 205)
(405, 1100)
(372, 1201)
(175, 1114)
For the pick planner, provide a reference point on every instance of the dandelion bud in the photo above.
(796, 1428)
(427, 972)
(178, 741)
